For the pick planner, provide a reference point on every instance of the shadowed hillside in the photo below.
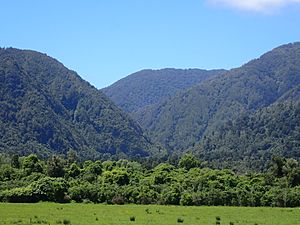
(46, 108)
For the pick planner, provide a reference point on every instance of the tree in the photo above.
(15, 163)
(7, 173)
(186, 199)
(116, 176)
(55, 167)
(50, 189)
(291, 170)
(73, 170)
(188, 161)
(277, 165)
(71, 156)
(32, 164)
(171, 195)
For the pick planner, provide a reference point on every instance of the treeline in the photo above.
(30, 179)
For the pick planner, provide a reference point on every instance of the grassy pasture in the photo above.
(92, 214)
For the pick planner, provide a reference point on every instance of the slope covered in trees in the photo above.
(148, 87)
(182, 121)
(46, 108)
(250, 141)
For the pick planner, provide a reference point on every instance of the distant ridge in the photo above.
(148, 87)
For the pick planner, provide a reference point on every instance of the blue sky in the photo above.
(105, 40)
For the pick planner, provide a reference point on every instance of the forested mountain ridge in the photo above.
(249, 141)
(182, 121)
(46, 109)
(148, 87)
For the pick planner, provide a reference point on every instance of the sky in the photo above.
(105, 40)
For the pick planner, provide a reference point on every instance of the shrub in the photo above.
(180, 220)
(66, 221)
(119, 200)
(83, 191)
(18, 195)
(132, 218)
(49, 189)
(186, 199)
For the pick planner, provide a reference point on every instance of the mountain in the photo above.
(183, 121)
(250, 140)
(46, 109)
(148, 87)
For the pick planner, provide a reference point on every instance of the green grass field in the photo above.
(92, 214)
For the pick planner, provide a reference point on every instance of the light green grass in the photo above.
(92, 214)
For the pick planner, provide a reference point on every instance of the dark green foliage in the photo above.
(66, 221)
(83, 191)
(19, 195)
(46, 109)
(148, 87)
(186, 199)
(242, 97)
(7, 173)
(32, 164)
(129, 182)
(15, 163)
(250, 140)
(73, 170)
(45, 189)
(116, 176)
(50, 189)
(55, 167)
(71, 156)
(132, 218)
(246, 120)
(180, 220)
(188, 161)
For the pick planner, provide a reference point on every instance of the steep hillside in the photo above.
(249, 141)
(46, 108)
(182, 121)
(149, 87)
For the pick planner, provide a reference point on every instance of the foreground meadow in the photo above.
(90, 214)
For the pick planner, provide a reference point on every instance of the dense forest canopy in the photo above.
(198, 118)
(148, 87)
(249, 141)
(235, 119)
(46, 109)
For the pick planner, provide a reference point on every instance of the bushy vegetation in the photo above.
(249, 141)
(123, 181)
(47, 109)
